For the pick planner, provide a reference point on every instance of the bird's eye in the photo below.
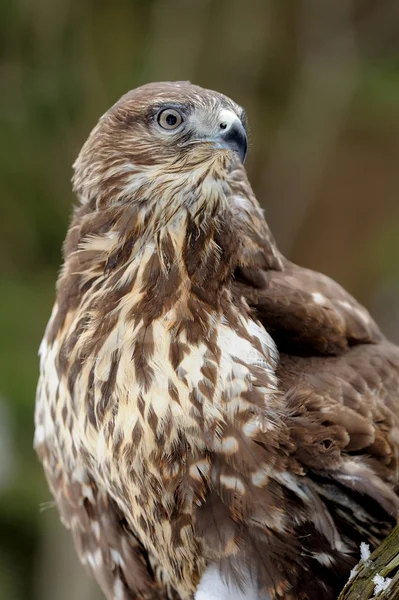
(169, 118)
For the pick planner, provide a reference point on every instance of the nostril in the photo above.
(223, 125)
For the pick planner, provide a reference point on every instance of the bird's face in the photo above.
(182, 119)
(161, 129)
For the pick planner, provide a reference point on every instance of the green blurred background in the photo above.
(320, 82)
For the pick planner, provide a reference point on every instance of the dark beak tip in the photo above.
(236, 139)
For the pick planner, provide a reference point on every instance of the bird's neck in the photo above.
(182, 240)
(176, 197)
(148, 264)
(158, 252)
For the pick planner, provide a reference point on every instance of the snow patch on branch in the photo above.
(364, 557)
(364, 552)
(352, 573)
(381, 584)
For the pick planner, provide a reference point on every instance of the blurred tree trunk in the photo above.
(384, 562)
(315, 116)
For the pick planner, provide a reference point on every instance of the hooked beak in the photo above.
(234, 137)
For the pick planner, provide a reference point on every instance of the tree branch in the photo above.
(383, 563)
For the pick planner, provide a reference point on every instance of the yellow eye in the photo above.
(169, 118)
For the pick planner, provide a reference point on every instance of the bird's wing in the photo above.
(309, 312)
(340, 381)
(310, 316)
(344, 419)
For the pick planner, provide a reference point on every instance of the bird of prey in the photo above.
(214, 421)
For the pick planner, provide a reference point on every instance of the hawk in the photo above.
(213, 420)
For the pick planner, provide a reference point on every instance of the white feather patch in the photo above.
(212, 587)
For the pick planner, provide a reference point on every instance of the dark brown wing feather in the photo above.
(306, 312)
(344, 420)
(352, 399)
(309, 312)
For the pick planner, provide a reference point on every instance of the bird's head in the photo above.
(166, 134)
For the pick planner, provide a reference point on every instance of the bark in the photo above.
(384, 562)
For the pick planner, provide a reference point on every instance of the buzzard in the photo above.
(214, 421)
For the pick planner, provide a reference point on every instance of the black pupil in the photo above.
(171, 119)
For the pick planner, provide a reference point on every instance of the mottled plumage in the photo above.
(209, 415)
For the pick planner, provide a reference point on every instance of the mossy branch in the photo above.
(383, 562)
